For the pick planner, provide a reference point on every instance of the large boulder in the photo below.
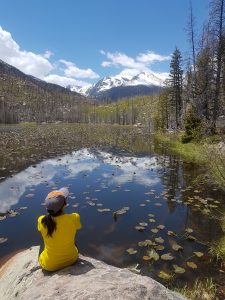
(22, 278)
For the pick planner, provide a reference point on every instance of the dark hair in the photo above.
(48, 221)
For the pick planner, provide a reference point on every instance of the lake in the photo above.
(149, 211)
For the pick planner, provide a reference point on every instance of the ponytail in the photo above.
(49, 222)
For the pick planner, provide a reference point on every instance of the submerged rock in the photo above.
(22, 278)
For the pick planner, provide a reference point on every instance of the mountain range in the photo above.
(119, 86)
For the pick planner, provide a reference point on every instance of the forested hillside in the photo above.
(26, 98)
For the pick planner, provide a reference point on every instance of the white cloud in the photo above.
(151, 57)
(140, 63)
(39, 65)
(73, 71)
(118, 59)
(64, 81)
(28, 62)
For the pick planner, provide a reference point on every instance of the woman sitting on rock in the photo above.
(58, 230)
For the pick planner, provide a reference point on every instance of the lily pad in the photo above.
(159, 240)
(152, 220)
(178, 270)
(191, 238)
(153, 254)
(171, 233)
(151, 215)
(161, 227)
(149, 243)
(159, 247)
(143, 224)
(167, 256)
(189, 230)
(131, 251)
(154, 230)
(191, 264)
(122, 210)
(104, 209)
(199, 254)
(177, 247)
(165, 276)
(140, 228)
(146, 257)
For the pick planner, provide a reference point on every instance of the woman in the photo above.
(58, 230)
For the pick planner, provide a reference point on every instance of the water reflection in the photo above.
(160, 188)
(127, 168)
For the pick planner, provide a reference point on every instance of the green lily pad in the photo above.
(149, 243)
(151, 215)
(167, 256)
(178, 270)
(143, 224)
(152, 220)
(177, 247)
(140, 228)
(154, 230)
(191, 265)
(189, 230)
(171, 233)
(153, 254)
(165, 276)
(159, 240)
(146, 257)
(191, 238)
(159, 247)
(131, 251)
(161, 227)
(198, 254)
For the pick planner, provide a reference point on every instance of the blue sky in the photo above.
(80, 41)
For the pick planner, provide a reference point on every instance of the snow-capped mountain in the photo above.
(83, 90)
(114, 87)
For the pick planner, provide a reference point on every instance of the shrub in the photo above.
(193, 128)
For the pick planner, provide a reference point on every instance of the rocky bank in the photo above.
(22, 278)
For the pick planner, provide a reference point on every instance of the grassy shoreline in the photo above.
(205, 152)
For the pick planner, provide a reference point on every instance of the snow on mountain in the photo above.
(83, 90)
(121, 80)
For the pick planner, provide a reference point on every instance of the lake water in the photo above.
(155, 191)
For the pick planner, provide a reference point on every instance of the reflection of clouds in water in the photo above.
(73, 164)
(131, 168)
(45, 171)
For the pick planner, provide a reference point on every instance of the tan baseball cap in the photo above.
(56, 199)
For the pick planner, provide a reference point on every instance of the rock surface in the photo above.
(22, 278)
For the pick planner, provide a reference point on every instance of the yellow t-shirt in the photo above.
(60, 250)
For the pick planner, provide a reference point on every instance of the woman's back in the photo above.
(60, 250)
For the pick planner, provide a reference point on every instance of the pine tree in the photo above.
(175, 85)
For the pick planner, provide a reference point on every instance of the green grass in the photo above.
(205, 152)
(218, 250)
(201, 290)
(190, 151)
